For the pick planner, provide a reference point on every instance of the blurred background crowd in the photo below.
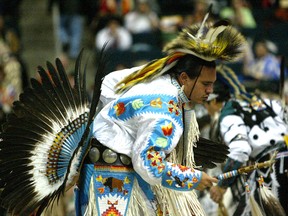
(34, 31)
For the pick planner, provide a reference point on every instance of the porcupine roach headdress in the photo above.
(46, 137)
(207, 41)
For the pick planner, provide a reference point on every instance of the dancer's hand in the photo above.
(217, 193)
(206, 182)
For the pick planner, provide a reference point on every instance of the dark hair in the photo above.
(191, 65)
(222, 89)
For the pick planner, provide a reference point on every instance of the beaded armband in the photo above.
(179, 177)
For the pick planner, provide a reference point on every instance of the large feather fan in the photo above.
(45, 139)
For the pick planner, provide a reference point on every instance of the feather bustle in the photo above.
(51, 115)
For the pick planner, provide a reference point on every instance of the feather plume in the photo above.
(201, 28)
(45, 139)
(254, 207)
(270, 203)
(213, 33)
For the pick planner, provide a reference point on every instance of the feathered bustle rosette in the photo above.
(45, 139)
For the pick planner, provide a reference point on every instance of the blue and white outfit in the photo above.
(144, 123)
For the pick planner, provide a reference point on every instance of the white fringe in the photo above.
(193, 136)
(174, 202)
(138, 204)
(91, 208)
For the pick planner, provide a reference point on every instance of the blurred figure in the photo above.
(264, 4)
(239, 14)
(115, 7)
(143, 23)
(115, 35)
(10, 33)
(118, 42)
(262, 64)
(172, 7)
(71, 25)
(10, 23)
(142, 19)
(282, 11)
(214, 105)
(169, 26)
(198, 14)
(10, 80)
(106, 9)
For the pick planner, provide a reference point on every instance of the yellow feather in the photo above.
(151, 70)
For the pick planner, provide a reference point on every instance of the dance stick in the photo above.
(247, 169)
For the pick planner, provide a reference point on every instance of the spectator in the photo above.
(115, 35)
(10, 80)
(10, 24)
(282, 11)
(10, 33)
(239, 14)
(142, 19)
(198, 14)
(115, 7)
(71, 25)
(143, 23)
(104, 10)
(263, 64)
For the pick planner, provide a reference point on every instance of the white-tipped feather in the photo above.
(190, 35)
(201, 29)
(270, 203)
(213, 33)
